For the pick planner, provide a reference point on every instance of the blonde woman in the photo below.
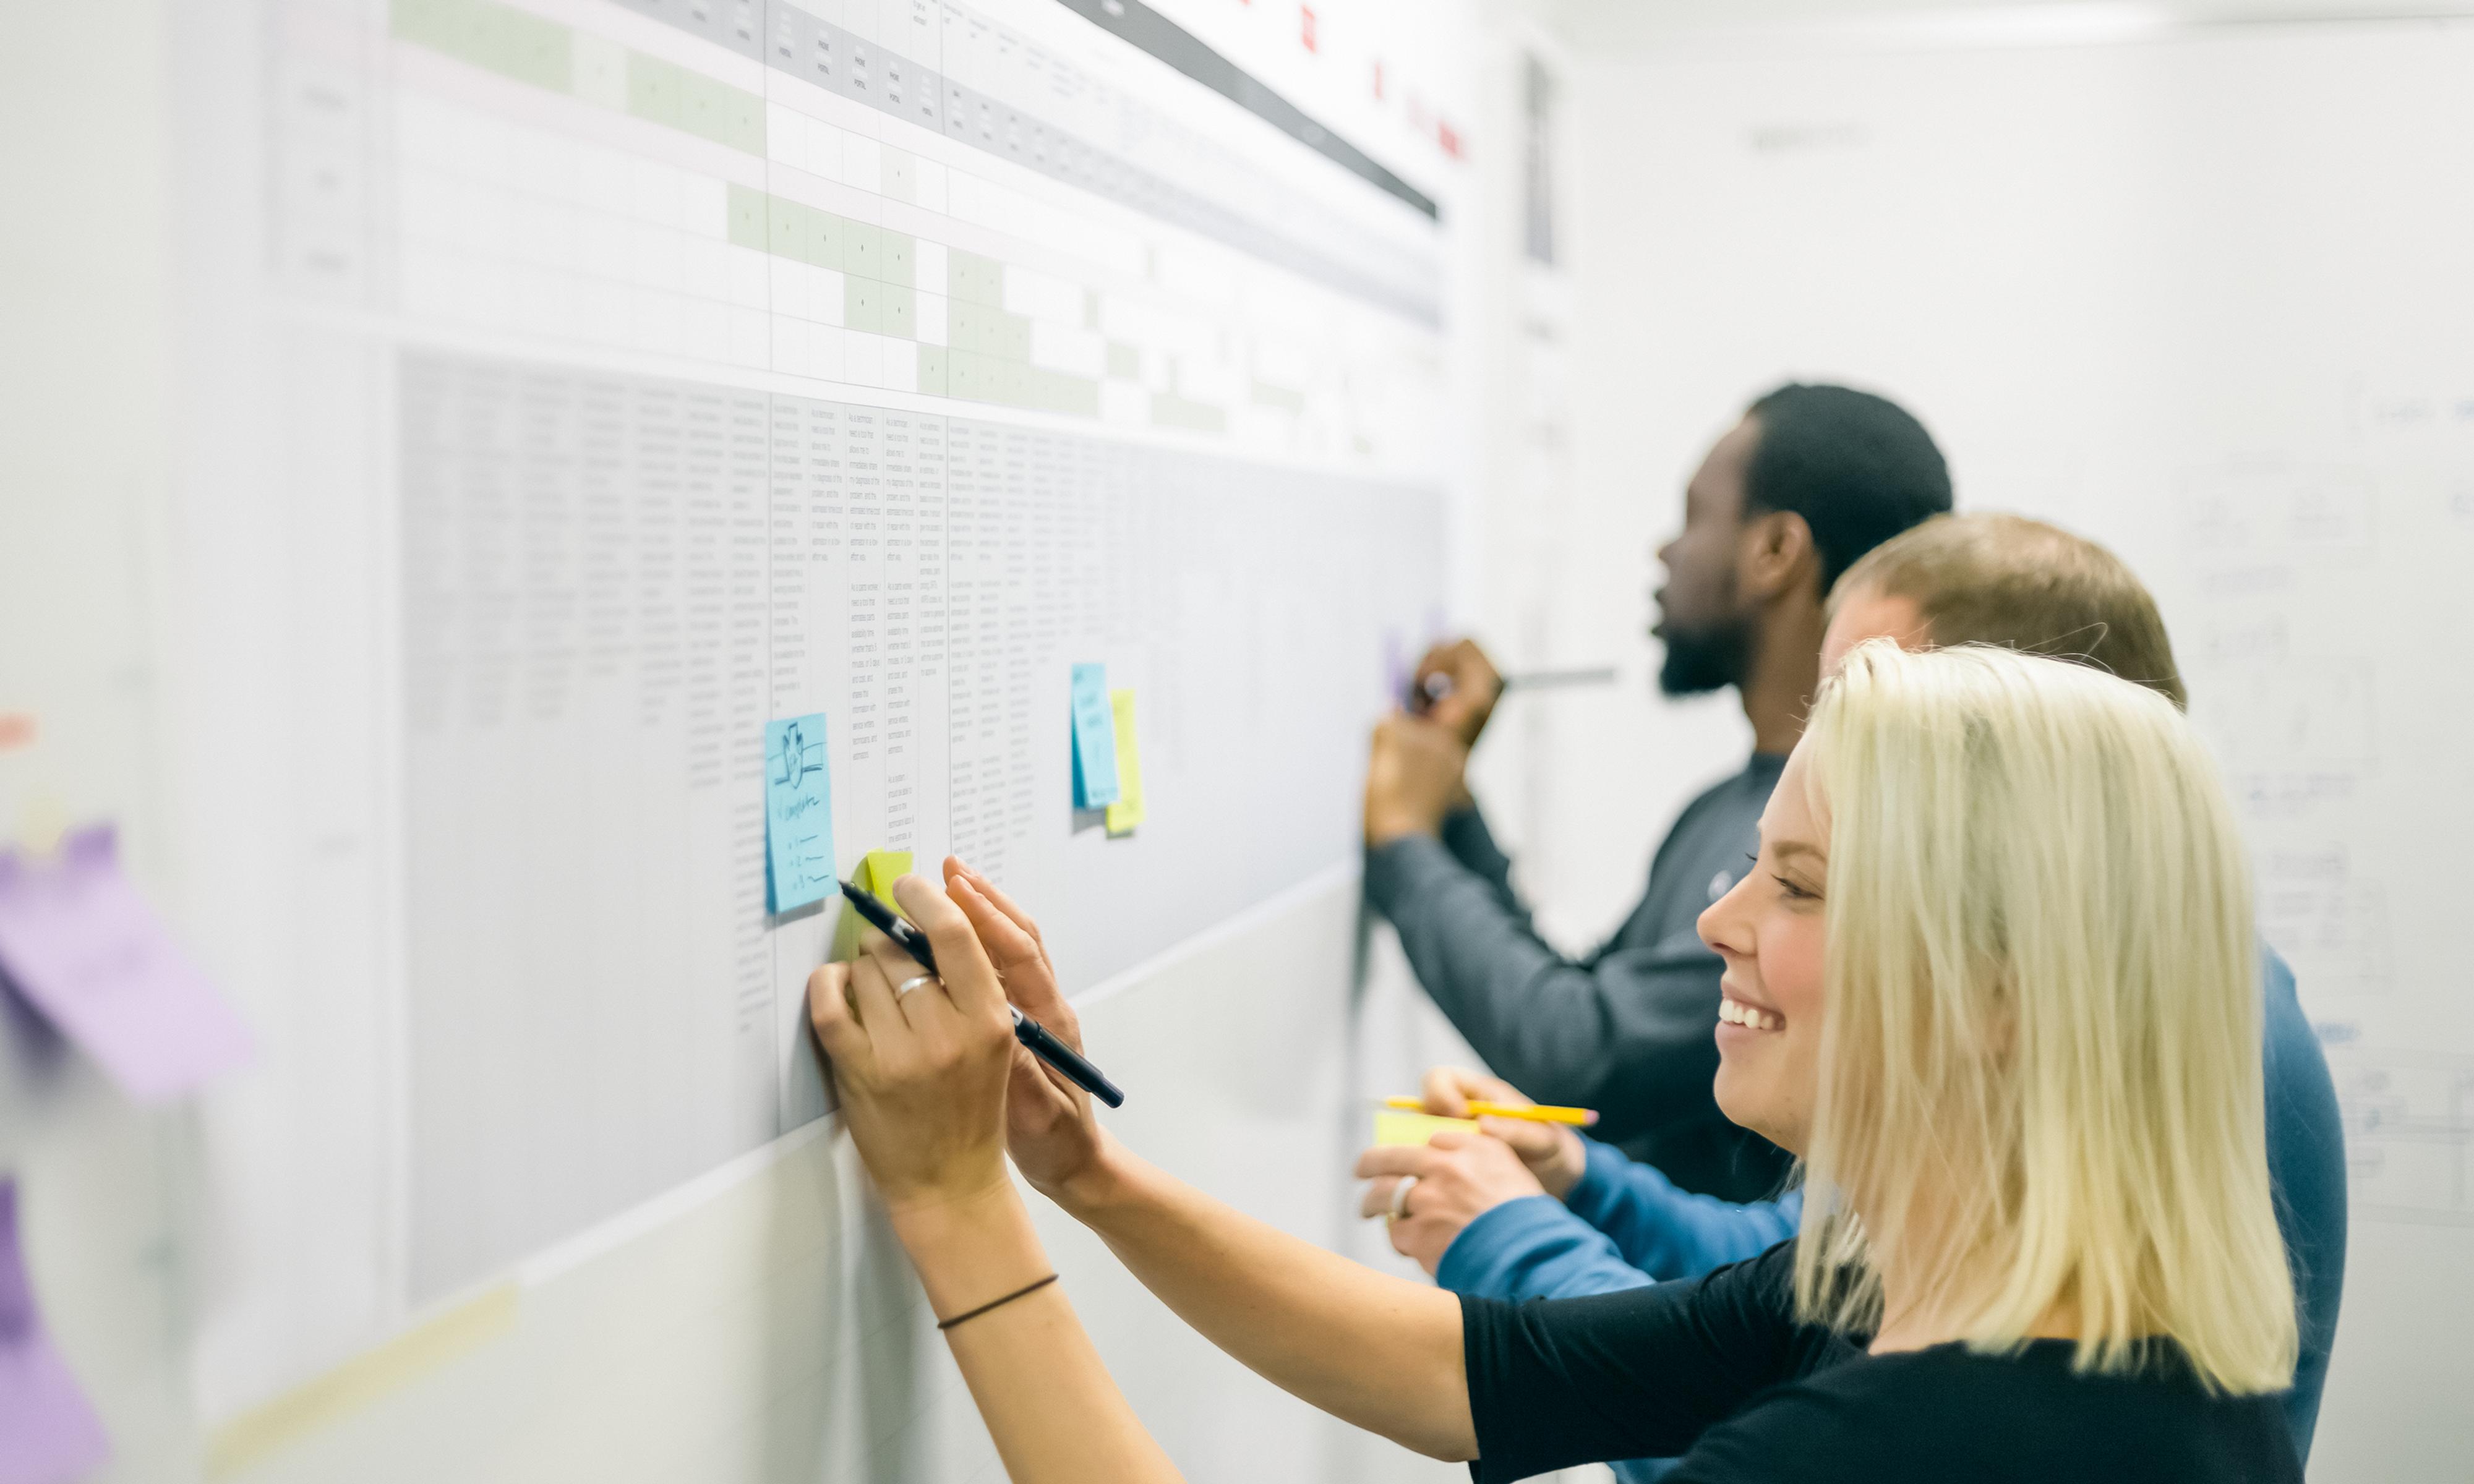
(1991, 980)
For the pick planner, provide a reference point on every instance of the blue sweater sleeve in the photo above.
(2306, 1161)
(1624, 1225)
(1669, 1232)
(1533, 1248)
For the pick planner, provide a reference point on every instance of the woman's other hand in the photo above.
(1050, 1128)
(922, 1073)
(1552, 1151)
(1460, 1177)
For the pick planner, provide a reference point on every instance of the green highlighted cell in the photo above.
(862, 304)
(747, 218)
(1284, 399)
(897, 313)
(1170, 410)
(896, 252)
(987, 354)
(524, 46)
(1125, 362)
(653, 87)
(510, 42)
(862, 245)
(973, 279)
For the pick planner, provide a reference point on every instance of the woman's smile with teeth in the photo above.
(1734, 1012)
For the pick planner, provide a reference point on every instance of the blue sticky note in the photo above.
(798, 813)
(1095, 739)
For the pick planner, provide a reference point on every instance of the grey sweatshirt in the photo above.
(1627, 1030)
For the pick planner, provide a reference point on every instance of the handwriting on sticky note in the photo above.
(1392, 1127)
(798, 813)
(1128, 811)
(48, 1432)
(1095, 739)
(85, 948)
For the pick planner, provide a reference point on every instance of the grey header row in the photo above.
(792, 41)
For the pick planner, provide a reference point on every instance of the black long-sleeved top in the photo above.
(1716, 1368)
(1629, 1030)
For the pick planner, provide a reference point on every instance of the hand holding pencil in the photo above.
(1543, 1138)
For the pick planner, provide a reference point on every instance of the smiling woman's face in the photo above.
(1770, 932)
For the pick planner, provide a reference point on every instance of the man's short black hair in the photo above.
(1859, 469)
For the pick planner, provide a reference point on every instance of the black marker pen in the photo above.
(1030, 1032)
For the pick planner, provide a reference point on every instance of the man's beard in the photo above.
(1700, 661)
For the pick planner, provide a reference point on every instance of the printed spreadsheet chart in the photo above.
(1155, 395)
(554, 180)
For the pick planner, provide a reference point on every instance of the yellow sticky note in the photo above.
(1393, 1127)
(876, 875)
(880, 870)
(1128, 811)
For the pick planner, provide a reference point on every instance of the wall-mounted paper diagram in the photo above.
(87, 950)
(798, 813)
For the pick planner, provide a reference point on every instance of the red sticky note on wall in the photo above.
(84, 949)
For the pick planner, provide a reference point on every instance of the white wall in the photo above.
(2199, 296)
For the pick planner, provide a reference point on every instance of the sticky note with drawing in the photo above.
(798, 813)
(1128, 811)
(1095, 739)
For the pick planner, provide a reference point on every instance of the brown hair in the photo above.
(2023, 585)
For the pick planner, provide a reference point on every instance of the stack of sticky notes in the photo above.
(1128, 811)
(1393, 1127)
(1108, 764)
(798, 813)
(876, 875)
(1095, 739)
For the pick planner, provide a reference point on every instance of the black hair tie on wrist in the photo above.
(948, 1323)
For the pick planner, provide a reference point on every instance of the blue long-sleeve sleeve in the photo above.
(1621, 1225)
(1534, 1248)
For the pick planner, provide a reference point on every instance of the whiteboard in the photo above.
(2199, 297)
(521, 404)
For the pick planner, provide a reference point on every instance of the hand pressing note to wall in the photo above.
(929, 1076)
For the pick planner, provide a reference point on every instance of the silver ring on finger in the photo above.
(1400, 1198)
(912, 983)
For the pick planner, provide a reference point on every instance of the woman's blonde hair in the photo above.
(2040, 1064)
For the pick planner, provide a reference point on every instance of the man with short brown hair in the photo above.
(2008, 580)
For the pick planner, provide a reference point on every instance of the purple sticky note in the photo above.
(82, 947)
(48, 1432)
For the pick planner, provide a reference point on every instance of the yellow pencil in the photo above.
(1578, 1117)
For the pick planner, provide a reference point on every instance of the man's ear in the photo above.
(1776, 556)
